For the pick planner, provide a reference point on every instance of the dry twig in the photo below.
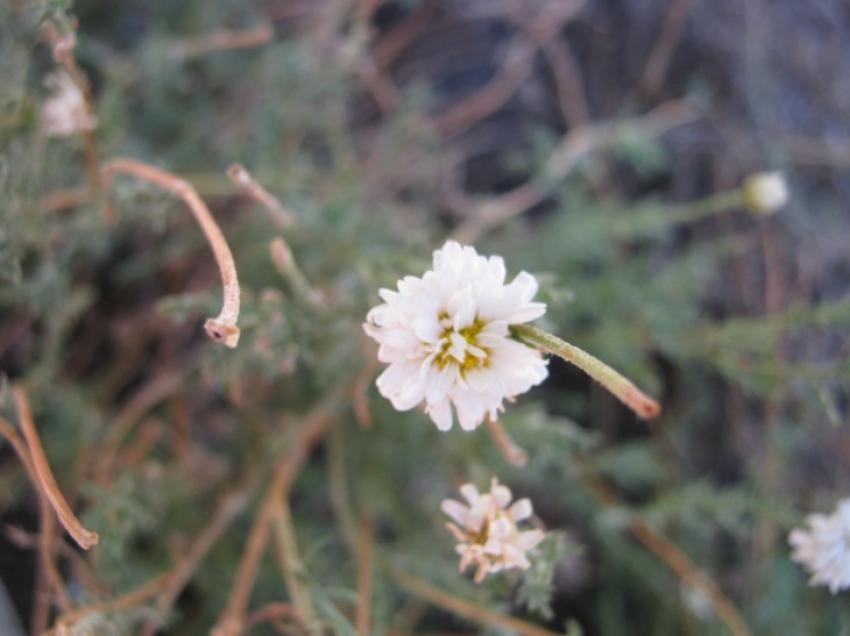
(243, 180)
(671, 555)
(365, 557)
(150, 394)
(576, 144)
(222, 328)
(512, 453)
(64, 624)
(517, 64)
(225, 40)
(232, 621)
(284, 262)
(228, 508)
(47, 484)
(463, 608)
(48, 573)
(665, 45)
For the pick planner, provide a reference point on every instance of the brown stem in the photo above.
(150, 394)
(47, 484)
(64, 623)
(229, 507)
(466, 609)
(365, 557)
(512, 453)
(222, 41)
(289, 560)
(232, 620)
(577, 143)
(243, 180)
(48, 573)
(284, 262)
(222, 328)
(670, 554)
(23, 539)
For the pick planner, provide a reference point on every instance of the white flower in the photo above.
(65, 112)
(824, 549)
(487, 531)
(446, 337)
(765, 192)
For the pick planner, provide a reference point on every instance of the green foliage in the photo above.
(93, 311)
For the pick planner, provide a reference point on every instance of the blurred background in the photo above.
(599, 144)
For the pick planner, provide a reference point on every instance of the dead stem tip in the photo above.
(88, 540)
(226, 334)
(646, 407)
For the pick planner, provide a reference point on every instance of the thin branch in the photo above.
(466, 609)
(517, 64)
(577, 143)
(287, 267)
(232, 620)
(512, 453)
(243, 180)
(223, 328)
(360, 389)
(64, 623)
(401, 36)
(48, 573)
(47, 484)
(64, 199)
(23, 539)
(620, 386)
(365, 558)
(338, 486)
(224, 40)
(289, 560)
(229, 507)
(565, 70)
(662, 52)
(149, 395)
(671, 555)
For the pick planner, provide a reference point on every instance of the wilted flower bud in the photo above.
(487, 531)
(65, 112)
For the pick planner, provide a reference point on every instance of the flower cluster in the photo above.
(486, 529)
(446, 337)
(824, 549)
(65, 112)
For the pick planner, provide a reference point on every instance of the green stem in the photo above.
(660, 216)
(614, 381)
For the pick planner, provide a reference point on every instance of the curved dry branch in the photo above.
(222, 328)
(47, 484)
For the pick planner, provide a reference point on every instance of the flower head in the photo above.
(824, 549)
(765, 192)
(65, 112)
(446, 337)
(487, 532)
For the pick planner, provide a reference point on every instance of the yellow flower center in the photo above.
(461, 347)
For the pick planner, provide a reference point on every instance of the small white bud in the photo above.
(765, 192)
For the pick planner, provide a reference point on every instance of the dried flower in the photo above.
(446, 337)
(765, 192)
(824, 549)
(65, 112)
(487, 531)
